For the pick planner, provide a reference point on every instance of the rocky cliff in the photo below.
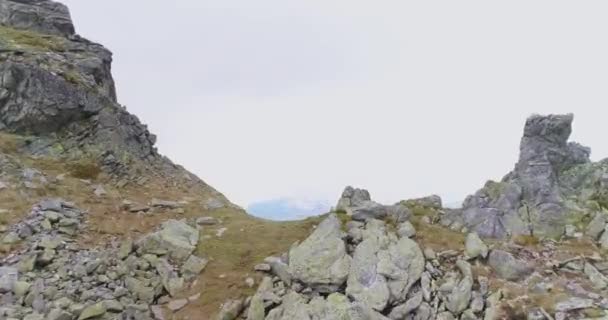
(56, 87)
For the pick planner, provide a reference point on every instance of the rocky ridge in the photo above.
(531, 246)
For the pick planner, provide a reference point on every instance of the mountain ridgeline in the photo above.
(96, 224)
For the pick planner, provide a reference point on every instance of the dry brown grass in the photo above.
(246, 243)
(437, 237)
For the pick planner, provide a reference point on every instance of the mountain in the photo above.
(288, 208)
(96, 224)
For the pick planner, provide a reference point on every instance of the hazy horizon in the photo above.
(274, 100)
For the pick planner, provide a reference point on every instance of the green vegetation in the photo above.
(72, 77)
(494, 189)
(22, 39)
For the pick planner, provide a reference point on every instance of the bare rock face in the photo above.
(536, 197)
(44, 16)
(56, 88)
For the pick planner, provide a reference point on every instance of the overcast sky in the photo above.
(266, 99)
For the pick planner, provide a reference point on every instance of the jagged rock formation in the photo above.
(553, 185)
(387, 277)
(56, 88)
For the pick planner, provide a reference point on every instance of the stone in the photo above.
(194, 266)
(598, 280)
(20, 288)
(175, 238)
(157, 312)
(100, 191)
(55, 205)
(220, 232)
(458, 300)
(92, 311)
(596, 226)
(402, 263)
(126, 247)
(603, 242)
(8, 278)
(321, 261)
(475, 247)
(165, 204)
(262, 267)
(213, 204)
(573, 303)
(113, 306)
(11, 238)
(508, 267)
(406, 229)
(256, 308)
(431, 202)
(176, 305)
(169, 278)
(401, 311)
(368, 210)
(58, 314)
(231, 309)
(207, 221)
(27, 262)
(352, 197)
(399, 213)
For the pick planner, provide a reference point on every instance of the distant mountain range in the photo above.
(288, 208)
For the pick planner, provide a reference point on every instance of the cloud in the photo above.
(272, 98)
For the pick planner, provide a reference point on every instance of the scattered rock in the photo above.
(175, 238)
(262, 267)
(508, 267)
(176, 305)
(475, 247)
(231, 309)
(207, 221)
(92, 311)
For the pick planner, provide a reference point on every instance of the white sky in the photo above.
(266, 99)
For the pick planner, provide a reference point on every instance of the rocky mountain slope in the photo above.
(96, 224)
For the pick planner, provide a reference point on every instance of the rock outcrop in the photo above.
(358, 204)
(388, 278)
(553, 185)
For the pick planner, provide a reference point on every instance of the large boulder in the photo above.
(352, 197)
(368, 210)
(321, 261)
(175, 239)
(508, 267)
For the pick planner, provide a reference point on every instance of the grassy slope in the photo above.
(246, 243)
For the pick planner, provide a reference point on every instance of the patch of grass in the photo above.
(437, 237)
(525, 240)
(72, 77)
(246, 243)
(24, 39)
(343, 217)
(9, 143)
(84, 169)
